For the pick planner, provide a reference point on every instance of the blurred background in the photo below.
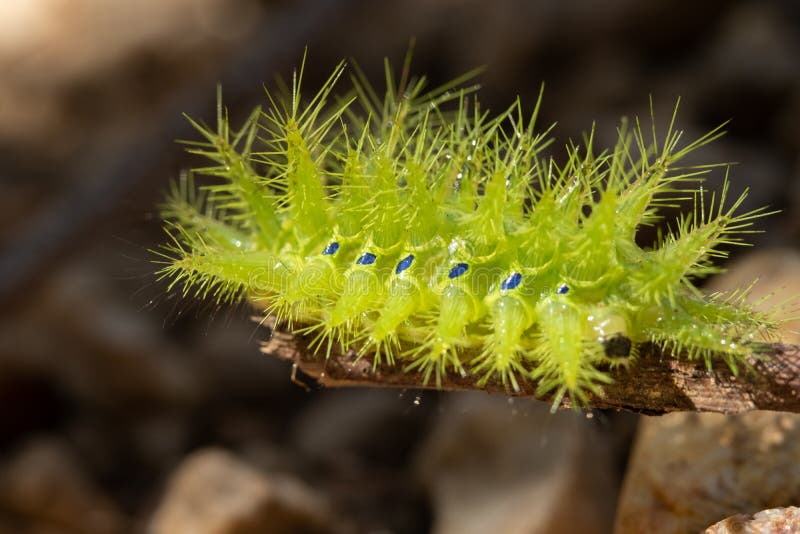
(123, 409)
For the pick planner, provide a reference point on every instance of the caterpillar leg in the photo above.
(403, 300)
(567, 359)
(360, 292)
(503, 352)
(441, 349)
(434, 358)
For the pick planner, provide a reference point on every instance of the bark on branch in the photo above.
(656, 384)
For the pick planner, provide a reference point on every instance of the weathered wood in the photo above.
(656, 384)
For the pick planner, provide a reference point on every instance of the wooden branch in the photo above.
(656, 384)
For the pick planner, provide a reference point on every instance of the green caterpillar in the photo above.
(423, 231)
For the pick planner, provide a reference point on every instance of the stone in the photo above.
(755, 44)
(689, 470)
(360, 426)
(772, 521)
(213, 492)
(46, 489)
(494, 464)
(60, 37)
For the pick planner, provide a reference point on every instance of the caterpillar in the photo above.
(425, 232)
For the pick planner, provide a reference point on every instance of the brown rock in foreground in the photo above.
(45, 489)
(773, 521)
(212, 492)
(497, 465)
(689, 470)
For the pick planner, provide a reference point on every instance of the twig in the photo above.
(657, 384)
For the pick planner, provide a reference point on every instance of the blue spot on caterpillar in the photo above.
(404, 264)
(511, 282)
(331, 249)
(458, 270)
(563, 289)
(368, 258)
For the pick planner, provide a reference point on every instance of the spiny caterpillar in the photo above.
(426, 233)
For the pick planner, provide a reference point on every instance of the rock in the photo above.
(689, 470)
(773, 521)
(109, 356)
(212, 492)
(755, 44)
(506, 465)
(360, 426)
(47, 490)
(358, 443)
(61, 37)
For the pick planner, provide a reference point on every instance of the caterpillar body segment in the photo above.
(403, 300)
